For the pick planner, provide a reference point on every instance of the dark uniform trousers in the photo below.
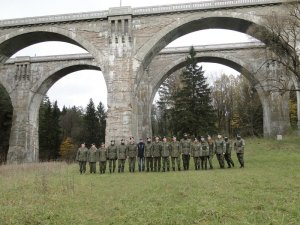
(131, 162)
(112, 165)
(229, 160)
(157, 163)
(92, 167)
(220, 158)
(121, 165)
(82, 166)
(102, 165)
(210, 158)
(186, 161)
(203, 162)
(166, 161)
(177, 159)
(197, 163)
(240, 157)
(149, 163)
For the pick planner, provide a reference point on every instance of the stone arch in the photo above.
(12, 42)
(219, 20)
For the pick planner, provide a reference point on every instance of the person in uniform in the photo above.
(148, 155)
(204, 153)
(227, 156)
(196, 149)
(131, 153)
(239, 147)
(141, 155)
(175, 153)
(186, 146)
(211, 146)
(165, 153)
(81, 158)
(92, 158)
(156, 154)
(112, 156)
(102, 156)
(121, 154)
(219, 146)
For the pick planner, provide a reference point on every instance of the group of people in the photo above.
(154, 155)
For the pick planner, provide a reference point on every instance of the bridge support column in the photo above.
(275, 112)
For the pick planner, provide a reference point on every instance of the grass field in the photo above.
(266, 191)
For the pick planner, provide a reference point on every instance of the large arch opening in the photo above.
(6, 113)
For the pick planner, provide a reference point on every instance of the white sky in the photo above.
(94, 85)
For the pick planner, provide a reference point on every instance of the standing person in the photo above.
(204, 153)
(228, 147)
(131, 153)
(175, 153)
(211, 146)
(112, 156)
(102, 156)
(141, 154)
(92, 158)
(165, 153)
(219, 146)
(148, 154)
(156, 154)
(239, 147)
(121, 154)
(185, 146)
(196, 151)
(81, 158)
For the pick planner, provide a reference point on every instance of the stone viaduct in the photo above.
(127, 44)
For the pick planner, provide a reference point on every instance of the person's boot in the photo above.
(173, 168)
(232, 164)
(179, 169)
(147, 170)
(118, 170)
(109, 170)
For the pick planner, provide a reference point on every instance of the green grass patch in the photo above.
(266, 191)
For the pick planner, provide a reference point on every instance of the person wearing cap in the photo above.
(121, 154)
(165, 153)
(148, 155)
(186, 146)
(141, 155)
(131, 153)
(102, 156)
(204, 153)
(220, 150)
(196, 150)
(112, 156)
(92, 158)
(156, 155)
(211, 146)
(227, 155)
(239, 147)
(175, 153)
(81, 158)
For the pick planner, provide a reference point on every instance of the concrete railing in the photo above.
(206, 5)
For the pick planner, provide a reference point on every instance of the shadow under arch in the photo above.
(6, 113)
(210, 20)
(12, 42)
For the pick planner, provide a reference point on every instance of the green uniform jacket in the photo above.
(196, 149)
(148, 149)
(175, 149)
(239, 146)
(219, 145)
(81, 155)
(228, 147)
(131, 150)
(156, 149)
(121, 151)
(204, 148)
(165, 149)
(102, 154)
(186, 146)
(92, 154)
(211, 146)
(112, 152)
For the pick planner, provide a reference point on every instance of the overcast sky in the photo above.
(69, 90)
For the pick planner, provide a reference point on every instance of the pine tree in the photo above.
(193, 111)
(91, 125)
(101, 114)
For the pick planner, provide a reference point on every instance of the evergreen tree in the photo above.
(102, 115)
(193, 111)
(55, 131)
(91, 124)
